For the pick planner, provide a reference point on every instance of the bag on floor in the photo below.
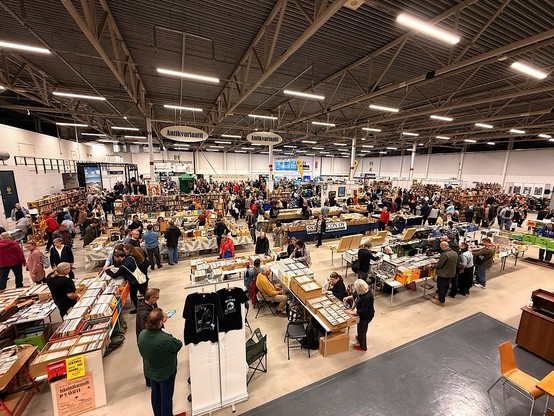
(312, 338)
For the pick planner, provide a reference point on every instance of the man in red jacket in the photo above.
(51, 226)
(383, 219)
(11, 258)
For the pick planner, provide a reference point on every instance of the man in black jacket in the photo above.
(262, 244)
(321, 227)
(364, 259)
(136, 224)
(220, 229)
(172, 235)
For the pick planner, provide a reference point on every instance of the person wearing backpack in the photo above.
(506, 215)
(35, 263)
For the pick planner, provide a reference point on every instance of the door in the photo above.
(8, 191)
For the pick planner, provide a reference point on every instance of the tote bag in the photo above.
(138, 274)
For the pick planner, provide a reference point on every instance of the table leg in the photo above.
(5, 408)
(515, 261)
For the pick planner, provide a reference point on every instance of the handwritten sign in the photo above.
(75, 367)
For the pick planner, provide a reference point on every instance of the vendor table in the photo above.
(352, 229)
(14, 404)
(410, 221)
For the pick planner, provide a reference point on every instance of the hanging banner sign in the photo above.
(264, 137)
(184, 134)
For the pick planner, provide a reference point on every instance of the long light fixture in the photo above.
(20, 47)
(240, 151)
(72, 124)
(484, 126)
(429, 29)
(220, 142)
(212, 150)
(135, 137)
(407, 133)
(277, 150)
(301, 151)
(141, 143)
(443, 137)
(84, 97)
(94, 134)
(310, 154)
(290, 154)
(545, 136)
(93, 144)
(491, 143)
(289, 146)
(179, 107)
(365, 151)
(231, 136)
(392, 148)
(320, 123)
(470, 141)
(383, 108)
(217, 147)
(339, 144)
(371, 129)
(309, 141)
(516, 131)
(2, 87)
(264, 117)
(441, 118)
(125, 128)
(325, 153)
(318, 148)
(248, 148)
(304, 94)
(188, 75)
(551, 140)
(108, 141)
(368, 145)
(264, 153)
(526, 69)
(382, 153)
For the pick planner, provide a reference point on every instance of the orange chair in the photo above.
(514, 377)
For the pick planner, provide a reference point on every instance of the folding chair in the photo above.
(262, 300)
(256, 353)
(246, 323)
(296, 330)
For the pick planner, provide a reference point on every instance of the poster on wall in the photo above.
(538, 191)
(526, 190)
(93, 180)
(517, 189)
(153, 188)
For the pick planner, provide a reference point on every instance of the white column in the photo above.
(401, 164)
(270, 164)
(427, 163)
(78, 147)
(150, 150)
(225, 163)
(352, 159)
(250, 164)
(461, 165)
(379, 168)
(505, 168)
(412, 161)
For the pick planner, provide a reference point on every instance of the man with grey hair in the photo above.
(18, 212)
(271, 292)
(62, 288)
(446, 271)
(11, 258)
(262, 244)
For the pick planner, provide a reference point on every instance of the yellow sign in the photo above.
(75, 367)
(300, 166)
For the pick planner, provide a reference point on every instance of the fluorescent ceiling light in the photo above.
(545, 136)
(365, 151)
(516, 131)
(470, 141)
(320, 123)
(526, 69)
(308, 141)
(421, 144)
(310, 154)
(181, 145)
(277, 150)
(383, 108)
(392, 148)
(240, 151)
(368, 145)
(382, 153)
(324, 152)
(94, 134)
(179, 107)
(141, 143)
(264, 117)
(257, 144)
(220, 142)
(212, 150)
(2, 87)
(441, 118)
(551, 140)
(318, 148)
(288, 145)
(290, 154)
(84, 97)
(371, 129)
(231, 136)
(264, 153)
(443, 137)
(135, 137)
(339, 144)
(72, 124)
(484, 126)
(93, 144)
(248, 148)
(187, 75)
(429, 29)
(125, 128)
(301, 151)
(20, 47)
(217, 147)
(406, 133)
(491, 143)
(108, 141)
(304, 94)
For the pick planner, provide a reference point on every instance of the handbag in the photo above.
(137, 274)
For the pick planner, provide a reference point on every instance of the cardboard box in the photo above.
(38, 339)
(304, 294)
(335, 343)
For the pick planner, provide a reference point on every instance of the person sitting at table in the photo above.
(271, 292)
(336, 286)
(546, 232)
(62, 288)
(398, 225)
(227, 247)
(291, 245)
(362, 265)
(262, 244)
(301, 253)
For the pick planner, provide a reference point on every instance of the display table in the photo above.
(351, 229)
(15, 403)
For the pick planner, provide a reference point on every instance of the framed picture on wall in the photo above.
(526, 190)
(538, 191)
(517, 189)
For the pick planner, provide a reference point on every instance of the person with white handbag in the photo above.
(126, 267)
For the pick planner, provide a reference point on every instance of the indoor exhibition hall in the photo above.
(276, 207)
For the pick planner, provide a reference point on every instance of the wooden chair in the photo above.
(515, 378)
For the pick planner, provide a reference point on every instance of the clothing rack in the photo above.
(218, 370)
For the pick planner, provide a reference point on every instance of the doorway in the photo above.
(8, 191)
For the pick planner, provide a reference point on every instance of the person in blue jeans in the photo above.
(150, 238)
(172, 235)
(159, 355)
(483, 260)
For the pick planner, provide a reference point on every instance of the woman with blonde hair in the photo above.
(139, 256)
(364, 309)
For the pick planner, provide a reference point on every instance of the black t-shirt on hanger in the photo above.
(231, 299)
(201, 312)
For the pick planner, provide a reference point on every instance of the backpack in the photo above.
(45, 260)
(507, 213)
(253, 291)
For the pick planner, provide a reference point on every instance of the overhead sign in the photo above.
(264, 137)
(184, 134)
(290, 165)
